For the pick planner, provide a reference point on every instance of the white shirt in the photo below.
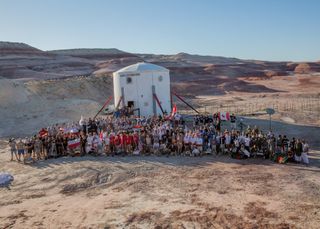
(199, 141)
(107, 140)
(192, 140)
(186, 139)
(90, 139)
(247, 141)
(236, 143)
(228, 139)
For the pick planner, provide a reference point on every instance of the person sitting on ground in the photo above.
(195, 152)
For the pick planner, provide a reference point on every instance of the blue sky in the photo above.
(250, 29)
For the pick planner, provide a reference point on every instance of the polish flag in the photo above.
(224, 116)
(174, 109)
(43, 133)
(72, 144)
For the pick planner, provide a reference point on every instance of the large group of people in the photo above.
(157, 135)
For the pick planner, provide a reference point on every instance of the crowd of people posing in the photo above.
(158, 136)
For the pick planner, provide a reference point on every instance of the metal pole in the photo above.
(270, 122)
(105, 104)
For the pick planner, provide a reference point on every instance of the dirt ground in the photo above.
(160, 192)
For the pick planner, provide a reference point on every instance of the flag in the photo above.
(224, 116)
(73, 130)
(81, 121)
(174, 110)
(43, 133)
(74, 143)
(137, 127)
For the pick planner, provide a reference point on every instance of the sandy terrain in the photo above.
(160, 192)
(38, 88)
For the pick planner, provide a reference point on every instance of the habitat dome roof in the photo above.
(142, 67)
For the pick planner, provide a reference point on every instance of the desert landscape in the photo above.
(39, 88)
(160, 192)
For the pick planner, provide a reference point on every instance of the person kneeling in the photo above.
(195, 152)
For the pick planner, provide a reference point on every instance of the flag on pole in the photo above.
(224, 116)
(72, 144)
(174, 110)
(43, 133)
(81, 121)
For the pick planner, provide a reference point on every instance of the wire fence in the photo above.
(310, 105)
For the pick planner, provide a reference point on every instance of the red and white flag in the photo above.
(74, 143)
(224, 116)
(174, 110)
(43, 133)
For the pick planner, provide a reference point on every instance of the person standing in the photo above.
(298, 152)
(37, 148)
(83, 141)
(29, 148)
(20, 147)
(233, 121)
(228, 141)
(305, 152)
(279, 144)
(13, 148)
(53, 149)
(247, 141)
(218, 143)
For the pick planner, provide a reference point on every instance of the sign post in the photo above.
(270, 112)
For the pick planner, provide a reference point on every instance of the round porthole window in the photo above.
(129, 80)
(160, 78)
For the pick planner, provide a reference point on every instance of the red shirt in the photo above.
(112, 140)
(129, 140)
(117, 140)
(123, 139)
(136, 138)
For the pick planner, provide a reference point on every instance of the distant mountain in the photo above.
(22, 61)
(205, 59)
(14, 48)
(92, 53)
(83, 51)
